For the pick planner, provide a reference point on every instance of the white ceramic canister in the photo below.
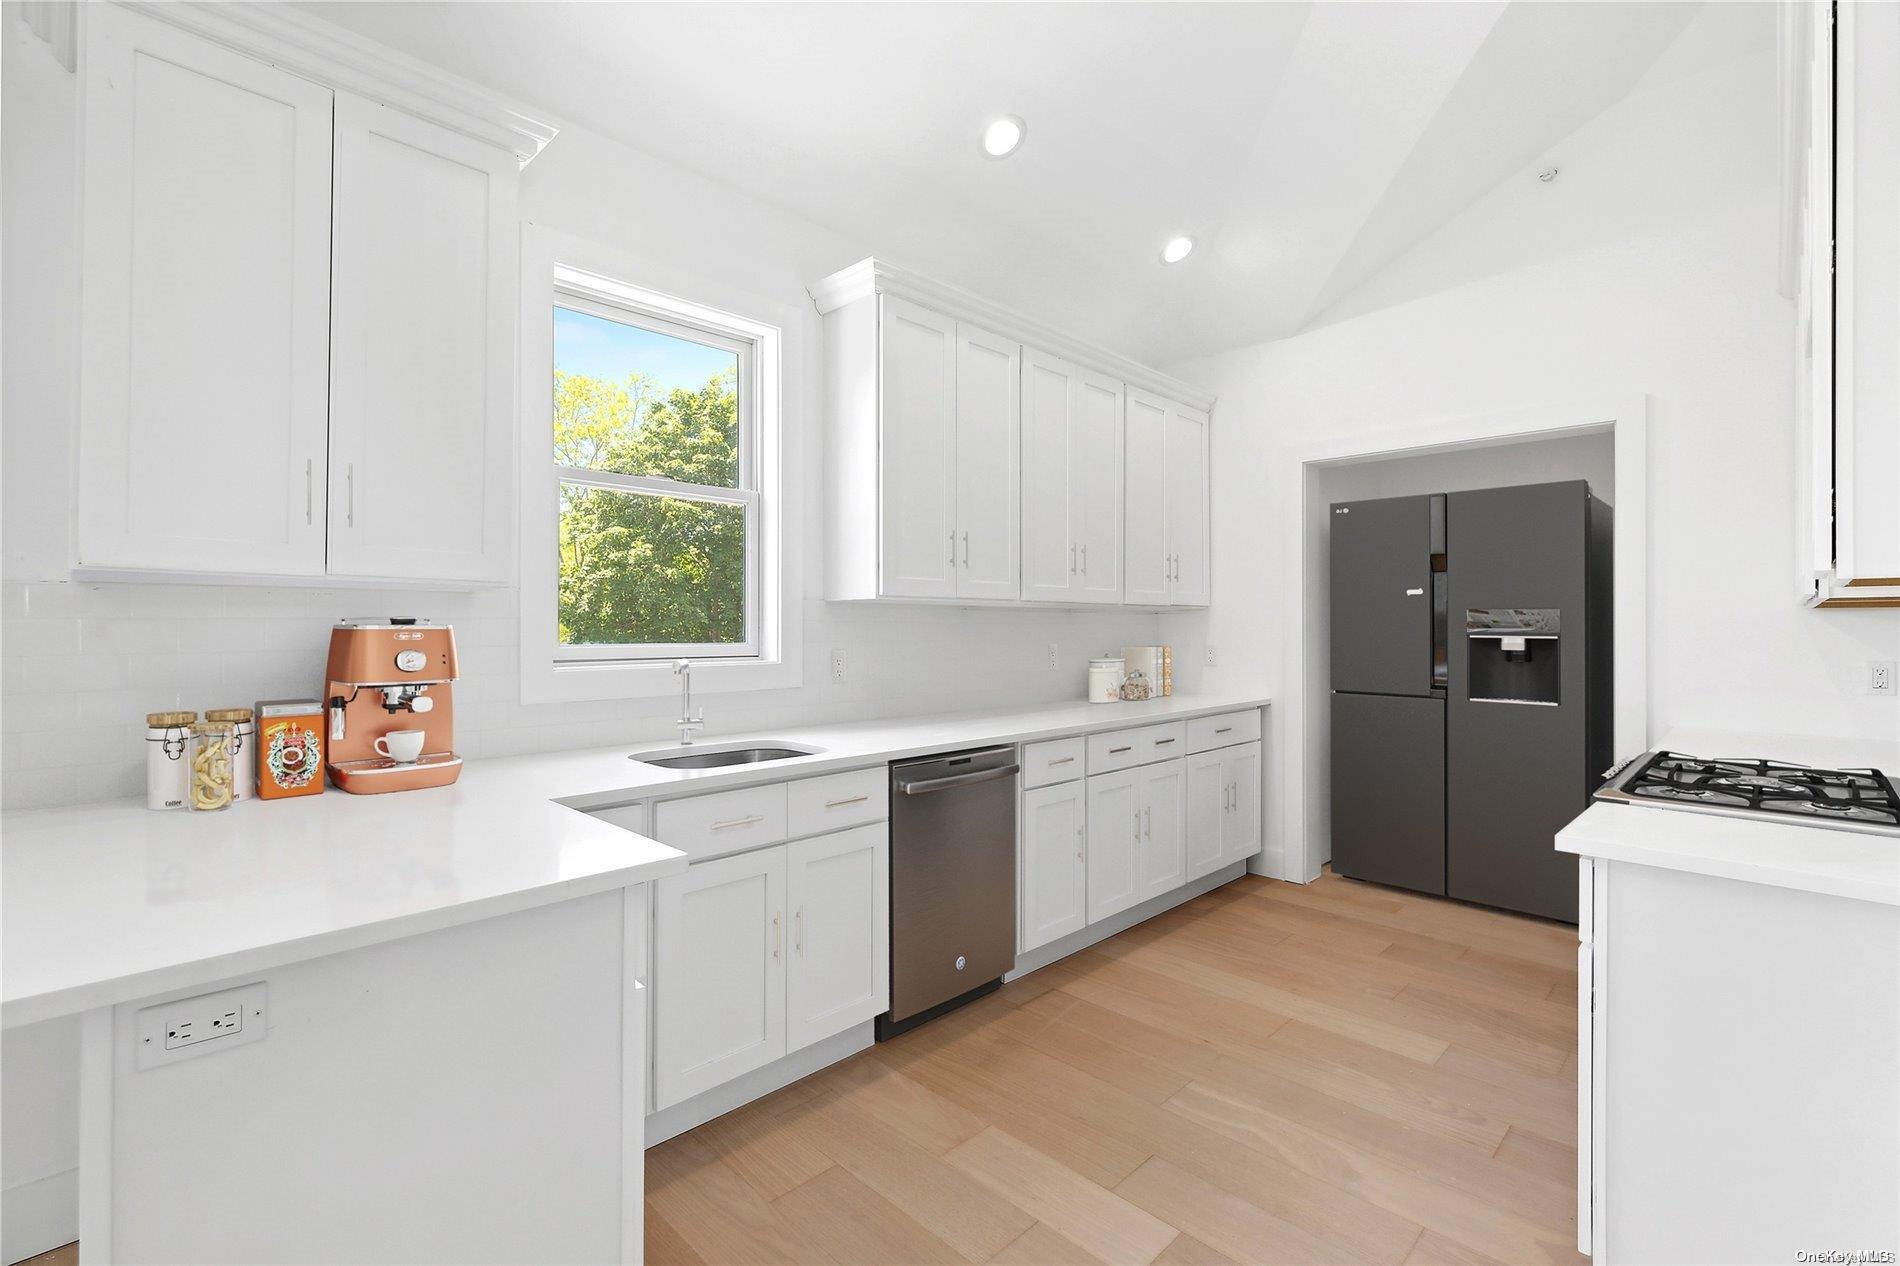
(1105, 680)
(243, 749)
(167, 763)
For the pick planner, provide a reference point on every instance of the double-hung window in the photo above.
(656, 456)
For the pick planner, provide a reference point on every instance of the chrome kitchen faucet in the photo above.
(688, 722)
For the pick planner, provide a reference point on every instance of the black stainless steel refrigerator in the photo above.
(1460, 787)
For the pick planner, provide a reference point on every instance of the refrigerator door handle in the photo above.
(1415, 593)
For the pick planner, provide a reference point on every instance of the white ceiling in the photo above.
(1303, 145)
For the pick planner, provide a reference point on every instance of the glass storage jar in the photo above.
(167, 736)
(243, 750)
(212, 785)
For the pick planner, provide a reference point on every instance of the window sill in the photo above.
(573, 683)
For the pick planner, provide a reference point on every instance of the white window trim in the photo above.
(554, 263)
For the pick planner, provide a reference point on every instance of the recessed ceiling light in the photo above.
(1003, 135)
(1176, 250)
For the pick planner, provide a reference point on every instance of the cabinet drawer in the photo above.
(1224, 730)
(1056, 761)
(818, 805)
(1118, 749)
(710, 826)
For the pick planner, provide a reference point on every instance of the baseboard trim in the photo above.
(1059, 949)
(39, 1215)
(758, 1083)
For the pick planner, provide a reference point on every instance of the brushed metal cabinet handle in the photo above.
(839, 804)
(798, 932)
(748, 820)
(1225, 729)
(349, 504)
(1085, 560)
(953, 547)
(1062, 760)
(1163, 742)
(308, 491)
(1072, 558)
(966, 549)
(778, 933)
(1117, 751)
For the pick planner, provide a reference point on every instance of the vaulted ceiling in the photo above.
(1304, 146)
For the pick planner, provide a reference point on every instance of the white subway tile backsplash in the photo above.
(84, 663)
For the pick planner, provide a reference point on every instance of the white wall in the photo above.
(84, 663)
(1648, 266)
(1588, 457)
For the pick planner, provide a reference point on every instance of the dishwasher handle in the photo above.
(924, 786)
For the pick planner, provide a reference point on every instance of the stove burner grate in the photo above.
(1857, 795)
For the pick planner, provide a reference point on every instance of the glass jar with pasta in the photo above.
(212, 782)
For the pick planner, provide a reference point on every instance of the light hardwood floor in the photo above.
(1271, 1073)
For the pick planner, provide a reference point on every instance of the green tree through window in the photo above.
(645, 567)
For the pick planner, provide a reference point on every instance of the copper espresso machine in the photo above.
(387, 674)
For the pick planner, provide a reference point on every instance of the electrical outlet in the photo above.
(1052, 654)
(837, 665)
(1880, 677)
(1210, 655)
(172, 1031)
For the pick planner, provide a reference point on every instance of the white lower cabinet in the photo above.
(1054, 864)
(1136, 836)
(765, 952)
(838, 972)
(1114, 830)
(1162, 857)
(1223, 807)
(719, 973)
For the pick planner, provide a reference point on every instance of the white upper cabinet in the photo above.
(975, 455)
(297, 355)
(988, 462)
(917, 452)
(1867, 297)
(1187, 478)
(1072, 482)
(1841, 263)
(422, 349)
(1167, 554)
(206, 306)
(1146, 562)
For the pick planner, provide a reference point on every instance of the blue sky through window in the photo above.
(587, 344)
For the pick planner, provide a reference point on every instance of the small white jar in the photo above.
(1105, 680)
(167, 758)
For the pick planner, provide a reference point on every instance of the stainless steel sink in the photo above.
(717, 757)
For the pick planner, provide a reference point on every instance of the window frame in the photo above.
(585, 298)
(555, 267)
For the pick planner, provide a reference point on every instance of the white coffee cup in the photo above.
(401, 746)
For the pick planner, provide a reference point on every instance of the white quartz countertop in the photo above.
(117, 902)
(1856, 864)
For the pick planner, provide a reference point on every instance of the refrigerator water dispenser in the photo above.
(1515, 655)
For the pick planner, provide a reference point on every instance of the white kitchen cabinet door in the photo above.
(1147, 566)
(1187, 506)
(205, 327)
(1240, 824)
(1163, 852)
(1054, 864)
(1051, 434)
(989, 456)
(838, 968)
(1114, 830)
(1207, 799)
(1095, 483)
(719, 973)
(1867, 296)
(917, 413)
(422, 354)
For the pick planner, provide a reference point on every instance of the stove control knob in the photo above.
(411, 661)
(961, 962)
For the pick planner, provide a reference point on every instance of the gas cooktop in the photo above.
(1847, 799)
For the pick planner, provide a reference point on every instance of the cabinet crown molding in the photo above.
(337, 58)
(876, 276)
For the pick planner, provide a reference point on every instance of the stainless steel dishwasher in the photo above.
(953, 882)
